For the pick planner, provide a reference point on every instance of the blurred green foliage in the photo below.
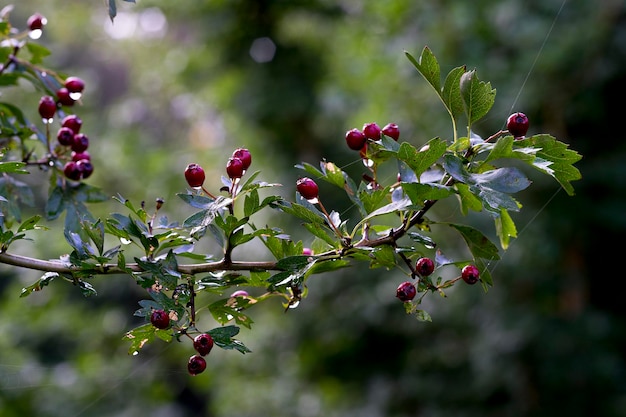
(169, 83)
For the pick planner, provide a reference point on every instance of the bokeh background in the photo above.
(169, 83)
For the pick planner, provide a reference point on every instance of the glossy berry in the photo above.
(73, 122)
(307, 251)
(65, 136)
(424, 266)
(406, 291)
(74, 84)
(392, 130)
(307, 188)
(77, 156)
(194, 174)
(517, 124)
(196, 365)
(72, 171)
(244, 155)
(80, 142)
(470, 274)
(85, 167)
(160, 319)
(234, 168)
(47, 107)
(371, 131)
(355, 139)
(63, 97)
(203, 343)
(36, 22)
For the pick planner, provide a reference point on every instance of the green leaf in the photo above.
(139, 337)
(479, 245)
(13, 167)
(46, 279)
(505, 228)
(428, 67)
(223, 337)
(420, 161)
(383, 256)
(38, 52)
(224, 311)
(300, 211)
(418, 193)
(478, 96)
(451, 94)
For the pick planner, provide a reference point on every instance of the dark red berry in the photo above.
(244, 155)
(234, 168)
(194, 174)
(203, 343)
(80, 142)
(392, 130)
(77, 156)
(74, 84)
(63, 96)
(160, 319)
(424, 266)
(72, 171)
(47, 107)
(307, 188)
(517, 124)
(371, 131)
(65, 136)
(307, 251)
(470, 274)
(355, 139)
(73, 122)
(36, 21)
(196, 365)
(85, 167)
(406, 291)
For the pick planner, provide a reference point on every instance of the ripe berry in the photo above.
(72, 171)
(203, 343)
(196, 365)
(85, 167)
(307, 251)
(77, 156)
(307, 188)
(73, 122)
(194, 174)
(244, 155)
(470, 274)
(47, 107)
(80, 142)
(424, 266)
(234, 168)
(355, 139)
(65, 136)
(392, 130)
(36, 22)
(160, 319)
(63, 96)
(517, 124)
(406, 291)
(74, 85)
(371, 131)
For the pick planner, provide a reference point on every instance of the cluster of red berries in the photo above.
(236, 167)
(202, 343)
(357, 139)
(424, 267)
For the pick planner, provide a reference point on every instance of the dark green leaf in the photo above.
(420, 161)
(478, 96)
(479, 245)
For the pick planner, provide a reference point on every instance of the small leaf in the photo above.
(420, 161)
(479, 245)
(478, 96)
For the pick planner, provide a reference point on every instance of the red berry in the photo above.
(203, 343)
(85, 167)
(392, 130)
(47, 107)
(36, 21)
(307, 188)
(406, 291)
(73, 122)
(77, 156)
(371, 131)
(517, 124)
(196, 365)
(80, 142)
(160, 319)
(74, 84)
(234, 168)
(307, 251)
(63, 96)
(355, 139)
(470, 274)
(194, 174)
(71, 170)
(424, 266)
(244, 155)
(65, 136)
